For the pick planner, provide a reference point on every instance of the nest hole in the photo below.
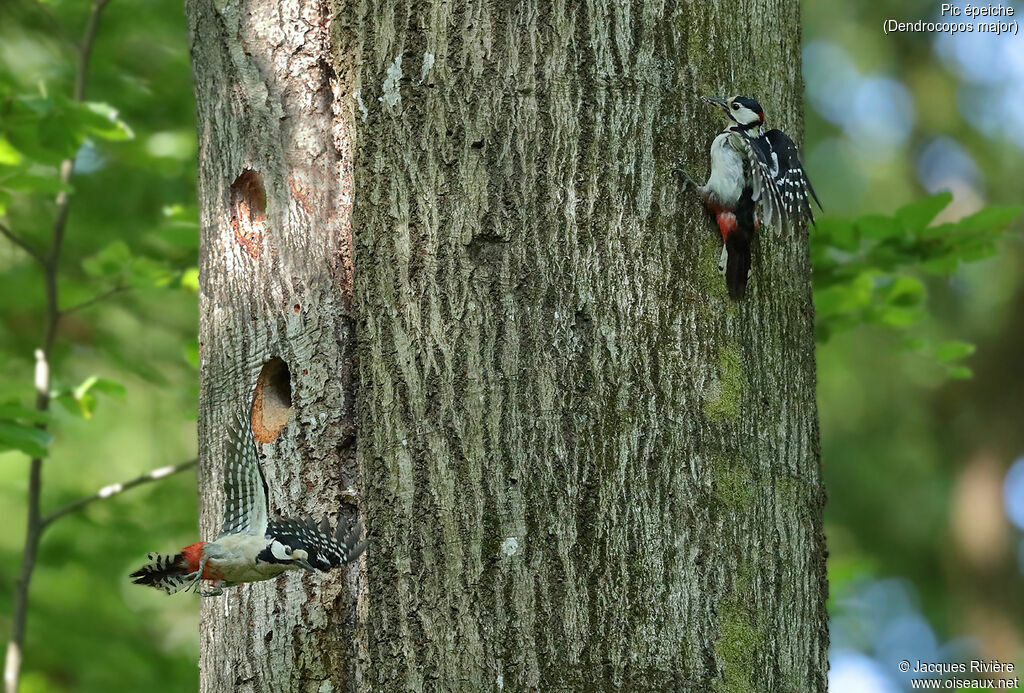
(272, 402)
(249, 210)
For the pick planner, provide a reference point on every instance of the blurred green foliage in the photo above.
(867, 271)
(903, 442)
(123, 367)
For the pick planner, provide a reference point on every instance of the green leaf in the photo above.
(191, 352)
(837, 233)
(898, 316)
(953, 351)
(112, 261)
(992, 218)
(15, 411)
(916, 216)
(81, 401)
(879, 227)
(960, 373)
(104, 385)
(144, 273)
(905, 292)
(28, 439)
(32, 183)
(48, 129)
(863, 268)
(104, 122)
(9, 156)
(117, 262)
(190, 279)
(66, 399)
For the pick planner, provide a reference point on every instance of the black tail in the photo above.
(164, 571)
(737, 266)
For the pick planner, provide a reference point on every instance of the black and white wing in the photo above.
(778, 163)
(795, 189)
(326, 549)
(245, 489)
(763, 168)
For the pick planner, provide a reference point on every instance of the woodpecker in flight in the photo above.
(250, 547)
(756, 176)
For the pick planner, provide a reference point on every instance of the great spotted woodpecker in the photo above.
(756, 176)
(250, 547)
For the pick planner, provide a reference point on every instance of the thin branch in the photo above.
(67, 168)
(114, 489)
(23, 244)
(50, 263)
(85, 50)
(95, 299)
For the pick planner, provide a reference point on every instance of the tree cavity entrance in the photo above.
(272, 402)
(249, 211)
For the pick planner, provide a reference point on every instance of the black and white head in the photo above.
(320, 548)
(287, 551)
(742, 110)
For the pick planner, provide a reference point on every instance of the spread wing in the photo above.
(245, 489)
(326, 549)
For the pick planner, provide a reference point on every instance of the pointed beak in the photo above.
(299, 558)
(715, 101)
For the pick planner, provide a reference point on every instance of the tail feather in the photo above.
(737, 243)
(167, 572)
(737, 266)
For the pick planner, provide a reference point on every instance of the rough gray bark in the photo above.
(581, 465)
(275, 281)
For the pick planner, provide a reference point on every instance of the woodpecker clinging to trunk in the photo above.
(250, 547)
(755, 178)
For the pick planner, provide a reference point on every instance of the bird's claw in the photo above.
(687, 180)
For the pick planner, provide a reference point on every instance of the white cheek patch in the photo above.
(279, 551)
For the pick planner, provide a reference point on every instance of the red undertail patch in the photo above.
(192, 555)
(726, 223)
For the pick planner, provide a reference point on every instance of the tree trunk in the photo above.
(581, 466)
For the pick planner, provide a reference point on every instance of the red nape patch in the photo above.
(761, 116)
(726, 223)
(192, 555)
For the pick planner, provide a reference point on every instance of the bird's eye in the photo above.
(735, 107)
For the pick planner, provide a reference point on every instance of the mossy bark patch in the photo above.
(726, 391)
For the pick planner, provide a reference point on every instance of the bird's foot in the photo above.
(687, 180)
(216, 589)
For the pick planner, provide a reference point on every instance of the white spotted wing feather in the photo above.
(779, 173)
(245, 489)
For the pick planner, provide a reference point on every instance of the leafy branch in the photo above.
(865, 269)
(42, 133)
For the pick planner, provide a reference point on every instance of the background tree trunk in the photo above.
(580, 464)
